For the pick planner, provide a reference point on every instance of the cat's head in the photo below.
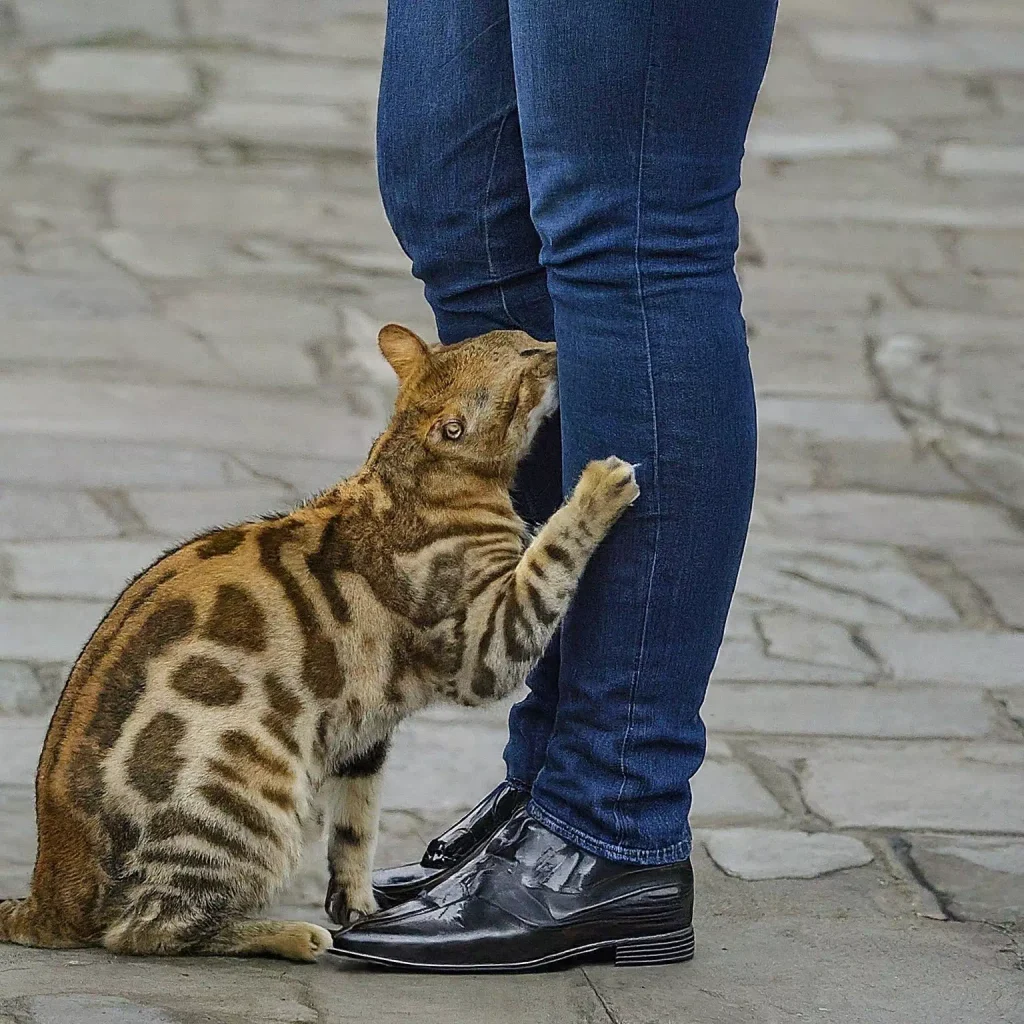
(478, 403)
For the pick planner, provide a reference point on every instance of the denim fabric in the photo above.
(569, 168)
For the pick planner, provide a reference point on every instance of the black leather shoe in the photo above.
(530, 899)
(465, 838)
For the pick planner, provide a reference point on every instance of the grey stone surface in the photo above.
(119, 347)
(988, 12)
(304, 476)
(726, 792)
(273, 366)
(965, 159)
(117, 82)
(829, 360)
(35, 297)
(233, 991)
(744, 661)
(990, 294)
(89, 1009)
(829, 420)
(178, 514)
(938, 50)
(20, 690)
(37, 460)
(851, 583)
(786, 142)
(22, 741)
(115, 157)
(907, 468)
(997, 469)
(60, 255)
(46, 630)
(26, 515)
(77, 568)
(199, 203)
(805, 290)
(912, 211)
(839, 711)
(933, 100)
(795, 638)
(231, 315)
(295, 81)
(1013, 701)
(966, 383)
(887, 518)
(317, 127)
(819, 969)
(983, 251)
(194, 264)
(979, 879)
(17, 824)
(917, 786)
(163, 255)
(455, 783)
(833, 243)
(759, 853)
(52, 21)
(970, 658)
(200, 417)
(886, 585)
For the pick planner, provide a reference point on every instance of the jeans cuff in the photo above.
(610, 851)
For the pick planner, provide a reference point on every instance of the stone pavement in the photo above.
(193, 263)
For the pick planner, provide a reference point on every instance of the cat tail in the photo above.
(16, 924)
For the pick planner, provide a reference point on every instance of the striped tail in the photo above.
(16, 924)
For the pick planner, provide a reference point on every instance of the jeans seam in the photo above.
(486, 230)
(472, 42)
(641, 647)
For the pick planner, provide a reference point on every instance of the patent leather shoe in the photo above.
(527, 900)
(465, 838)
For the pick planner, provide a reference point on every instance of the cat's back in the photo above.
(184, 660)
(159, 609)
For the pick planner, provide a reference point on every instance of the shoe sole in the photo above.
(650, 951)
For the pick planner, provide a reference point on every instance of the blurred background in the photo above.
(193, 267)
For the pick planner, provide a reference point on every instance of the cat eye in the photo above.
(452, 430)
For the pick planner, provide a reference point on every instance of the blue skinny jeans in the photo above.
(569, 168)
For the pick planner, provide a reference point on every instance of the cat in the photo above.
(246, 685)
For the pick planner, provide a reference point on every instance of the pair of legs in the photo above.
(569, 169)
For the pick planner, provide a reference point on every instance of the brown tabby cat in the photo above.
(259, 669)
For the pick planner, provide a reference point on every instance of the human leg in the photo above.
(453, 184)
(633, 121)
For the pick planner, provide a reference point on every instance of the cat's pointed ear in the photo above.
(405, 351)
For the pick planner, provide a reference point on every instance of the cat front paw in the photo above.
(605, 490)
(345, 906)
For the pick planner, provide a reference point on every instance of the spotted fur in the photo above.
(255, 675)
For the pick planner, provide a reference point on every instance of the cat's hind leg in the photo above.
(181, 901)
(290, 940)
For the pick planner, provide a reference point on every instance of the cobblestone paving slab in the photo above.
(759, 853)
(193, 266)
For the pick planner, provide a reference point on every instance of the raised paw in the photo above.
(344, 906)
(606, 489)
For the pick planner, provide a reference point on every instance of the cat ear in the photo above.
(406, 352)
